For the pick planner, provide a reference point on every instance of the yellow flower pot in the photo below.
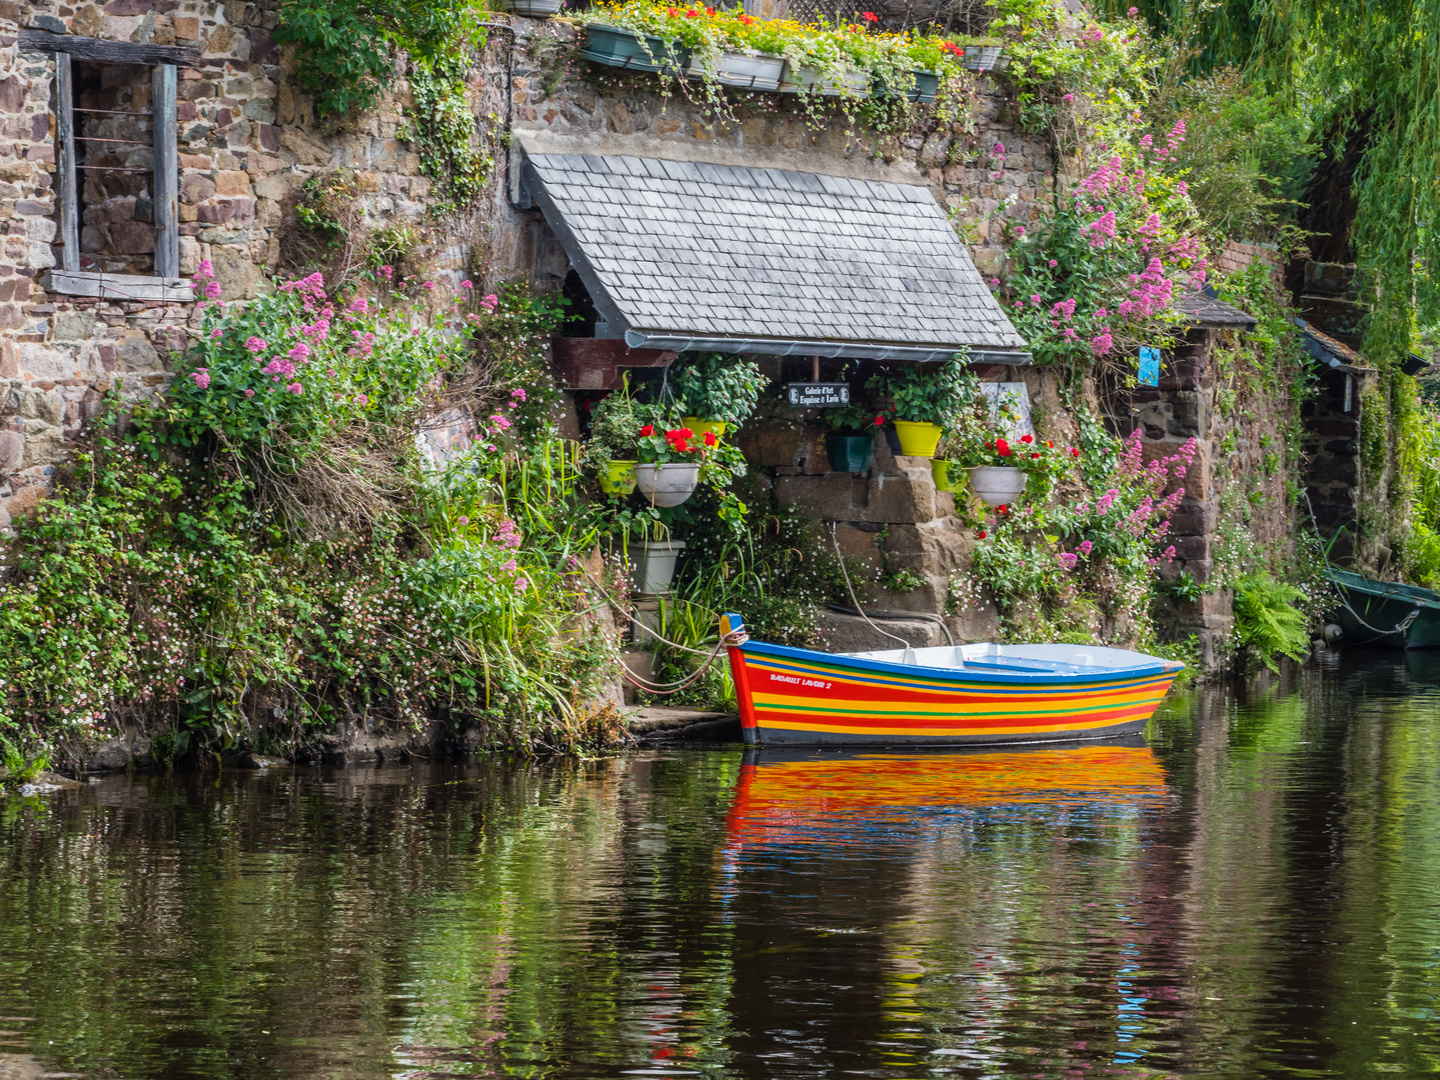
(700, 427)
(918, 439)
(617, 478)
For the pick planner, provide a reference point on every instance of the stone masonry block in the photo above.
(837, 497)
(906, 496)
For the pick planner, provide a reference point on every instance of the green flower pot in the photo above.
(849, 453)
(633, 50)
(947, 477)
(617, 478)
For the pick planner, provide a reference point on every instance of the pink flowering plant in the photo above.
(1095, 547)
(1101, 276)
(308, 524)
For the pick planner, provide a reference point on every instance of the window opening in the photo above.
(117, 166)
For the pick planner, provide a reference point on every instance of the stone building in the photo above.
(142, 136)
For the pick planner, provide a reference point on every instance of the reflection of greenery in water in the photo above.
(1272, 909)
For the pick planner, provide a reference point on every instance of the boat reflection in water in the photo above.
(799, 796)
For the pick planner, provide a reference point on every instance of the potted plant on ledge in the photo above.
(850, 436)
(927, 399)
(716, 393)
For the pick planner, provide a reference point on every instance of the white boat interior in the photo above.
(1019, 659)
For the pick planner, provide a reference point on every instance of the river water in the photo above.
(1254, 892)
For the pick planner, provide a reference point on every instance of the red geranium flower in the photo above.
(869, 16)
(1074, 452)
(1027, 439)
(1002, 448)
(710, 439)
(685, 433)
(880, 421)
(1049, 443)
(648, 429)
(981, 534)
(1035, 455)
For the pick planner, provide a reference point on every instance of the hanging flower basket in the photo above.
(997, 484)
(633, 50)
(669, 484)
(759, 72)
(700, 427)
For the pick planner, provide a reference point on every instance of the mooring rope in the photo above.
(733, 638)
(1400, 628)
(834, 539)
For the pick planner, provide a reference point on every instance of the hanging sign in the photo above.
(1149, 366)
(815, 395)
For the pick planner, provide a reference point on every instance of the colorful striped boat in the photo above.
(950, 695)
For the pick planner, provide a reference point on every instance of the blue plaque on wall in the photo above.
(1149, 366)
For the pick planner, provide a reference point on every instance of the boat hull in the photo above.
(1387, 615)
(798, 697)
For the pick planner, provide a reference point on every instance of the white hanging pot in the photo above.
(997, 484)
(667, 485)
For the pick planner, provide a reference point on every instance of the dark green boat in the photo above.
(1387, 614)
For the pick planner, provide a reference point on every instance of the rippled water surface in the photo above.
(1255, 893)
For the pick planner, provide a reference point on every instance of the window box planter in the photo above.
(997, 484)
(927, 85)
(918, 439)
(983, 57)
(618, 477)
(849, 453)
(669, 484)
(760, 72)
(851, 84)
(652, 564)
(633, 50)
(531, 9)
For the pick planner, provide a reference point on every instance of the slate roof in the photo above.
(680, 254)
(1207, 309)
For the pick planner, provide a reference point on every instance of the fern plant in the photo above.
(1267, 622)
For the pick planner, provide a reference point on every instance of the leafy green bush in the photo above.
(1267, 621)
(269, 541)
(344, 48)
(712, 386)
(1248, 157)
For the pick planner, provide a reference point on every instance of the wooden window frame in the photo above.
(69, 279)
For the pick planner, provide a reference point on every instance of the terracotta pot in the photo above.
(667, 485)
(997, 484)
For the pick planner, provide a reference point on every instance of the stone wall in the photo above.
(247, 141)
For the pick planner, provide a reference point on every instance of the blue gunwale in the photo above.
(850, 664)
